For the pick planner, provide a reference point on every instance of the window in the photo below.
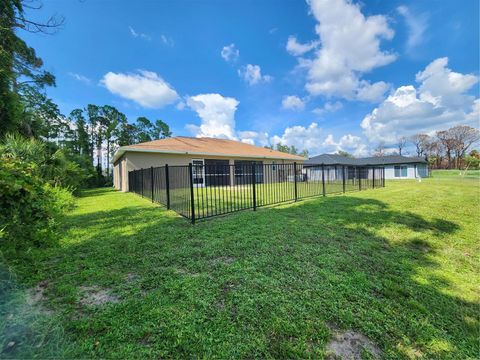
(401, 171)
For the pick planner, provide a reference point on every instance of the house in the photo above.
(395, 166)
(216, 161)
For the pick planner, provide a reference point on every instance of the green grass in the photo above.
(398, 264)
(470, 174)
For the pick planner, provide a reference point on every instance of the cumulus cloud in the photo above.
(349, 142)
(230, 53)
(296, 49)
(350, 47)
(137, 34)
(311, 138)
(292, 102)
(217, 114)
(80, 78)
(144, 87)
(328, 107)
(252, 75)
(441, 101)
(254, 138)
(416, 24)
(301, 137)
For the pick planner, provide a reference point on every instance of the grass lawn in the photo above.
(399, 265)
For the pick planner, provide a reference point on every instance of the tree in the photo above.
(462, 137)
(344, 153)
(401, 144)
(19, 64)
(380, 150)
(420, 142)
(290, 150)
(82, 145)
(111, 120)
(434, 152)
(448, 144)
(160, 130)
(145, 128)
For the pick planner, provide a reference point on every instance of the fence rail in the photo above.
(203, 191)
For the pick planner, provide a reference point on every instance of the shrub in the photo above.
(56, 166)
(30, 207)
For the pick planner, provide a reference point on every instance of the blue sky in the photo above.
(323, 75)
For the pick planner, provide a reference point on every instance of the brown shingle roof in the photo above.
(205, 146)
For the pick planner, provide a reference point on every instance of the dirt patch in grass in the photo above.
(351, 345)
(94, 296)
(36, 294)
(36, 297)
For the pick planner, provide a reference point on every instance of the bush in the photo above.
(30, 207)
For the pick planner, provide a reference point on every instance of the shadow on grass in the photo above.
(261, 284)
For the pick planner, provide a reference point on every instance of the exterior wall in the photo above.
(138, 160)
(421, 170)
(120, 174)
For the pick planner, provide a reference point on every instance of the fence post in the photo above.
(323, 179)
(141, 171)
(190, 171)
(343, 178)
(373, 177)
(151, 178)
(254, 180)
(383, 176)
(360, 179)
(295, 177)
(167, 186)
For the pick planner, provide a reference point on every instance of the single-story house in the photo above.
(201, 152)
(395, 166)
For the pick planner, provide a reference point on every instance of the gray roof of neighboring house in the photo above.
(334, 159)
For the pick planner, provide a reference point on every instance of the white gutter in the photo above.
(122, 150)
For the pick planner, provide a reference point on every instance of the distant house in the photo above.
(395, 166)
(227, 158)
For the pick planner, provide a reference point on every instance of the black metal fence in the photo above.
(202, 191)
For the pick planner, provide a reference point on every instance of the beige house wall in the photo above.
(140, 160)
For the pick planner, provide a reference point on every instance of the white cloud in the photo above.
(350, 143)
(441, 101)
(328, 107)
(217, 114)
(301, 137)
(166, 40)
(145, 88)
(416, 24)
(140, 35)
(350, 47)
(254, 138)
(292, 102)
(80, 78)
(230, 53)
(296, 49)
(181, 105)
(252, 74)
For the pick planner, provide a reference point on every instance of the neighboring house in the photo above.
(395, 166)
(198, 151)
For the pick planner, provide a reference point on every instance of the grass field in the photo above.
(399, 265)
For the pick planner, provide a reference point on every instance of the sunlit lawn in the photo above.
(398, 264)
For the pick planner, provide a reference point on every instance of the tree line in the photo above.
(446, 149)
